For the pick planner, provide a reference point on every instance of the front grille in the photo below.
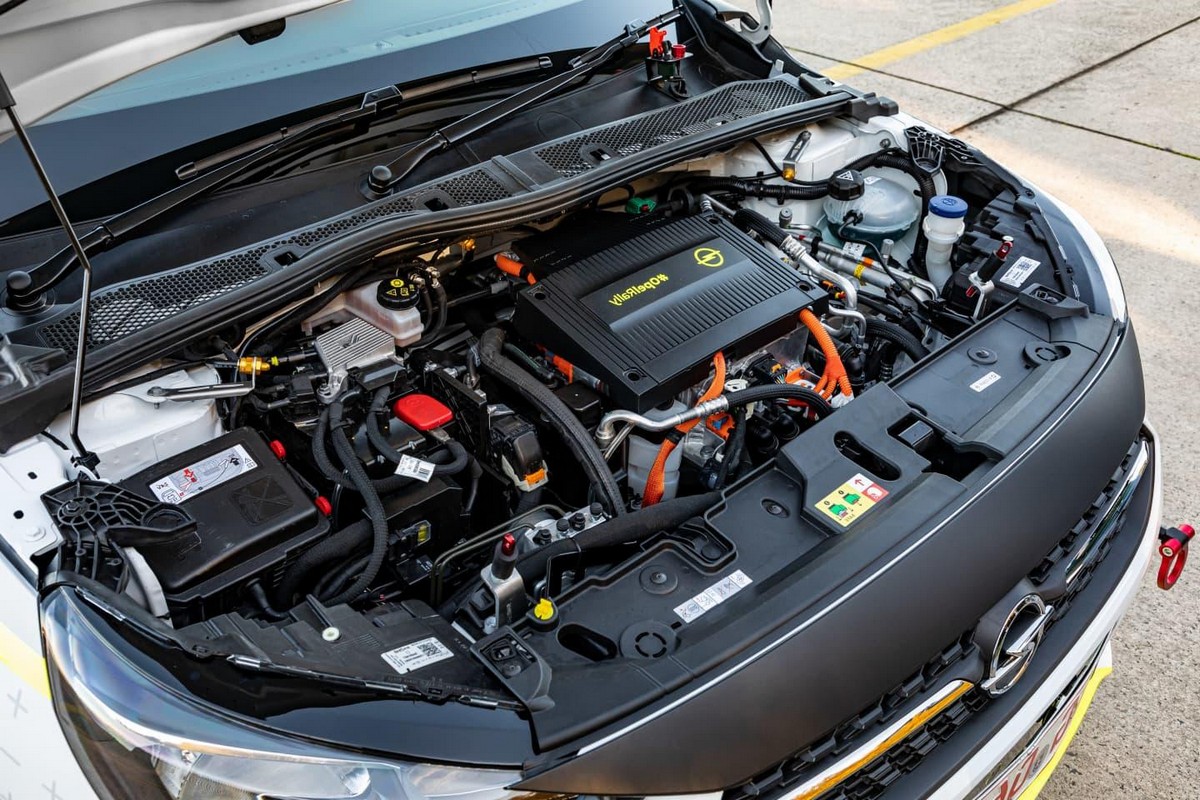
(872, 781)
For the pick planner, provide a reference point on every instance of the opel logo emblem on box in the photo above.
(1015, 646)
(709, 257)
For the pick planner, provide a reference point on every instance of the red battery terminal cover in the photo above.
(422, 411)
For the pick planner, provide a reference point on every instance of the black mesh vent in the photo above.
(122, 310)
(126, 309)
(727, 104)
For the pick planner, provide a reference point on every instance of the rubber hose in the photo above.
(755, 222)
(473, 489)
(338, 545)
(561, 418)
(337, 578)
(435, 328)
(528, 501)
(733, 447)
(788, 191)
(781, 391)
(898, 336)
(259, 596)
(374, 507)
(629, 528)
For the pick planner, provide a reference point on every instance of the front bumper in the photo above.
(959, 753)
(966, 778)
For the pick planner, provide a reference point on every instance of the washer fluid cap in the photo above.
(948, 206)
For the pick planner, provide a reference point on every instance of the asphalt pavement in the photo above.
(1095, 102)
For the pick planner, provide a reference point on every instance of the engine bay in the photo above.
(474, 464)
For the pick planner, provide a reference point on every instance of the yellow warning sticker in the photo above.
(851, 500)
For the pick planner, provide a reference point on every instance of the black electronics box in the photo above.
(643, 304)
(251, 516)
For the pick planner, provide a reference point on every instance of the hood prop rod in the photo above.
(84, 457)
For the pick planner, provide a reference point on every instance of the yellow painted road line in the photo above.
(928, 41)
(1034, 789)
(23, 660)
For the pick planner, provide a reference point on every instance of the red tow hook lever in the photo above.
(1174, 550)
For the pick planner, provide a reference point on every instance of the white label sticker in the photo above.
(985, 381)
(1020, 270)
(195, 478)
(416, 655)
(713, 596)
(854, 250)
(411, 467)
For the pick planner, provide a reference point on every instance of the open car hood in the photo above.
(53, 52)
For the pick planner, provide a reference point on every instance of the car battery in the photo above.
(251, 517)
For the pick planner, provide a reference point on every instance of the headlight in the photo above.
(135, 737)
(1098, 261)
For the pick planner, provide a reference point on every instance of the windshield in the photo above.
(331, 36)
(325, 56)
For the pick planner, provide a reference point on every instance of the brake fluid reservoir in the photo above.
(390, 305)
(886, 210)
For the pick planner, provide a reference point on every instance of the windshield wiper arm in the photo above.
(26, 291)
(442, 86)
(385, 176)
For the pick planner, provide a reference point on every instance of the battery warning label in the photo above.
(195, 478)
(851, 500)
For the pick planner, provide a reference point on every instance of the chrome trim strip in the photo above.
(1112, 514)
(1107, 358)
(866, 753)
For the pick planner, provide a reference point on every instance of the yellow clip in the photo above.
(544, 610)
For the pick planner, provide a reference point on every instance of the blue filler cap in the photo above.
(948, 206)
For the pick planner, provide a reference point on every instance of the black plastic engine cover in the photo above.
(643, 304)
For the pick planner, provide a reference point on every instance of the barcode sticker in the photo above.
(1020, 270)
(411, 467)
(416, 655)
(854, 250)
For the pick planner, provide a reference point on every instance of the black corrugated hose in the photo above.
(781, 391)
(633, 527)
(373, 505)
(898, 336)
(337, 546)
(561, 418)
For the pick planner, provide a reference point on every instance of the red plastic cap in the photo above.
(323, 505)
(278, 449)
(1187, 530)
(679, 50)
(658, 38)
(422, 411)
(508, 544)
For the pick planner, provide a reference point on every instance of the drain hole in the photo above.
(587, 642)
